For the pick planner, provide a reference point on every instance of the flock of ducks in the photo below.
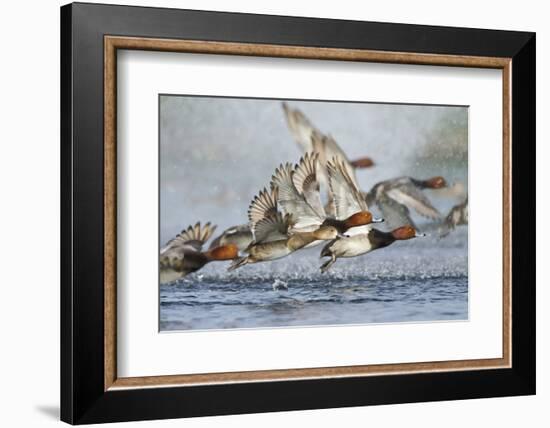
(289, 214)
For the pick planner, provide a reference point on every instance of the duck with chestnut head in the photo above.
(273, 232)
(183, 254)
(363, 243)
(395, 198)
(299, 196)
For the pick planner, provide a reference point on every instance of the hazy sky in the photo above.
(217, 153)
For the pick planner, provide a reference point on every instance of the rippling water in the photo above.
(425, 279)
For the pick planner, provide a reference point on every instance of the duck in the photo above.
(348, 200)
(457, 216)
(364, 243)
(272, 237)
(299, 197)
(310, 139)
(240, 235)
(397, 196)
(183, 254)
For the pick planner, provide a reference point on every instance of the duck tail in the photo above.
(237, 263)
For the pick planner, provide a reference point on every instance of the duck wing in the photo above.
(267, 223)
(347, 198)
(307, 136)
(273, 228)
(306, 183)
(458, 214)
(185, 248)
(300, 127)
(292, 202)
(229, 233)
(407, 193)
(263, 205)
(333, 150)
(318, 147)
(193, 238)
(394, 213)
(310, 139)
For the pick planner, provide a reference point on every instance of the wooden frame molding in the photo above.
(113, 43)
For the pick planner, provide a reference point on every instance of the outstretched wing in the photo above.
(407, 193)
(292, 202)
(306, 183)
(267, 222)
(272, 228)
(394, 213)
(458, 215)
(332, 150)
(263, 205)
(327, 148)
(347, 198)
(193, 237)
(310, 139)
(300, 127)
(232, 235)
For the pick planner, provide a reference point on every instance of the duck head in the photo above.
(326, 233)
(405, 232)
(223, 252)
(364, 162)
(361, 218)
(435, 183)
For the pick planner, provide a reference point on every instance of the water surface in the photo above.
(425, 279)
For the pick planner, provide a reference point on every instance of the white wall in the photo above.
(29, 242)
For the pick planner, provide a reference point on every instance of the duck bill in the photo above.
(377, 220)
(419, 235)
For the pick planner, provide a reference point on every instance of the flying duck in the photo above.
(183, 254)
(240, 235)
(363, 243)
(273, 238)
(396, 197)
(359, 240)
(458, 215)
(300, 197)
(310, 139)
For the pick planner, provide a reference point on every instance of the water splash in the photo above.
(279, 285)
(418, 280)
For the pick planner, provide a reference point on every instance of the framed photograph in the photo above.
(266, 213)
